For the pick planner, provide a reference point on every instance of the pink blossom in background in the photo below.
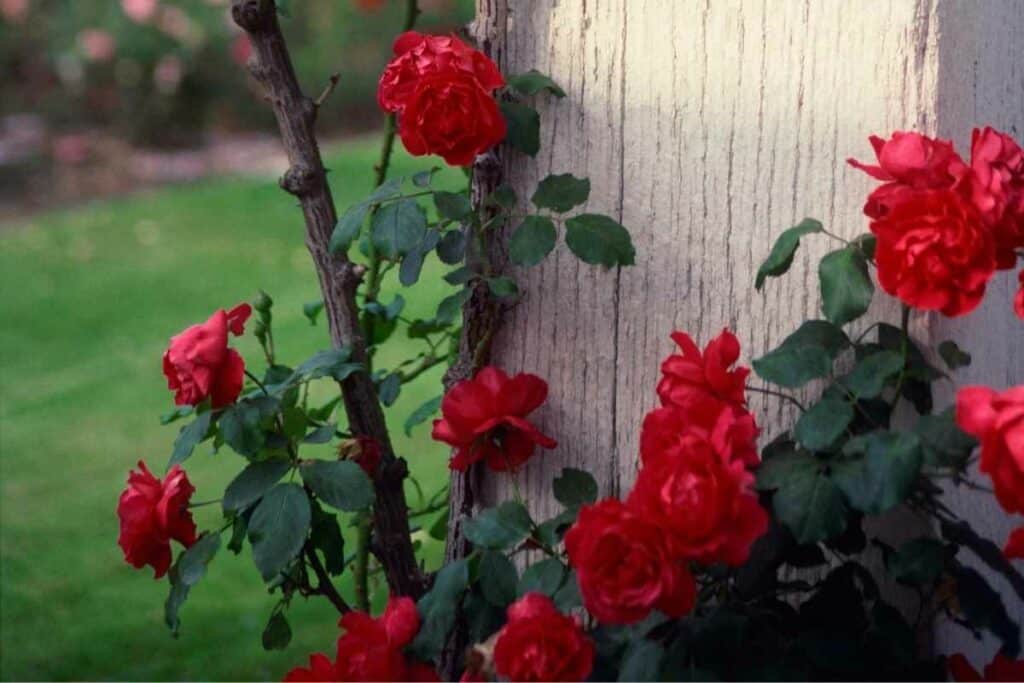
(14, 11)
(241, 48)
(168, 73)
(70, 149)
(139, 11)
(176, 23)
(97, 45)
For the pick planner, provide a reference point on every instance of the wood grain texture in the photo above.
(708, 128)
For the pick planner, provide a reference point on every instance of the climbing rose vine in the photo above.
(686, 570)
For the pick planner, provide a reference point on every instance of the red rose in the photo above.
(1001, 668)
(371, 649)
(699, 494)
(369, 454)
(451, 115)
(998, 189)
(1015, 545)
(934, 253)
(909, 162)
(1018, 301)
(483, 418)
(730, 430)
(198, 363)
(152, 513)
(624, 567)
(997, 420)
(693, 377)
(418, 55)
(539, 643)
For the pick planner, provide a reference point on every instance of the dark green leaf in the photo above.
(412, 263)
(193, 561)
(805, 500)
(452, 205)
(312, 309)
(498, 578)
(424, 178)
(341, 484)
(397, 228)
(983, 607)
(323, 364)
(523, 123)
(953, 355)
(424, 412)
(866, 243)
(943, 443)
(568, 597)
(846, 287)
(452, 247)
(239, 526)
(325, 534)
(781, 256)
(642, 661)
(500, 527)
(175, 599)
(176, 414)
(459, 276)
(252, 482)
(189, 437)
(502, 287)
(439, 529)
(532, 241)
(917, 562)
(804, 355)
(389, 389)
(451, 306)
(551, 531)
(574, 488)
(532, 82)
(241, 424)
(278, 528)
(322, 434)
(277, 633)
(599, 240)
(348, 227)
(885, 475)
(823, 424)
(561, 193)
(870, 375)
(389, 189)
(438, 609)
(503, 196)
(546, 576)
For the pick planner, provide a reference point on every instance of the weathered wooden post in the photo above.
(707, 128)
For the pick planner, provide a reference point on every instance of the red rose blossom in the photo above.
(699, 494)
(1014, 549)
(371, 649)
(539, 643)
(998, 189)
(418, 55)
(934, 252)
(451, 115)
(906, 163)
(997, 420)
(1018, 301)
(624, 566)
(483, 418)
(198, 363)
(369, 454)
(730, 430)
(694, 377)
(152, 513)
(1001, 668)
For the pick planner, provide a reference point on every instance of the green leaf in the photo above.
(451, 249)
(412, 264)
(642, 661)
(502, 287)
(193, 561)
(846, 287)
(424, 412)
(459, 276)
(312, 309)
(561, 193)
(781, 256)
(546, 576)
(823, 424)
(500, 527)
(424, 178)
(438, 609)
(325, 534)
(252, 482)
(503, 196)
(805, 500)
(885, 476)
(953, 355)
(389, 189)
(348, 227)
(241, 424)
(278, 528)
(189, 437)
(277, 633)
(341, 484)
(499, 578)
(397, 228)
(568, 597)
(551, 531)
(523, 124)
(867, 244)
(599, 240)
(175, 599)
(176, 414)
(330, 363)
(918, 562)
(322, 434)
(451, 306)
(239, 526)
(574, 488)
(804, 355)
(870, 375)
(532, 82)
(452, 205)
(389, 389)
(532, 241)
(943, 443)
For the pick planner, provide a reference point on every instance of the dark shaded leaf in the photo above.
(397, 228)
(252, 482)
(533, 82)
(499, 528)
(523, 124)
(278, 633)
(884, 476)
(498, 578)
(561, 193)
(278, 528)
(804, 355)
(846, 287)
(452, 205)
(348, 227)
(574, 488)
(424, 412)
(954, 357)
(823, 424)
(451, 249)
(189, 437)
(341, 484)
(532, 241)
(438, 609)
(599, 240)
(781, 256)
(869, 376)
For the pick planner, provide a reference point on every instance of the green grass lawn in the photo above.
(90, 296)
